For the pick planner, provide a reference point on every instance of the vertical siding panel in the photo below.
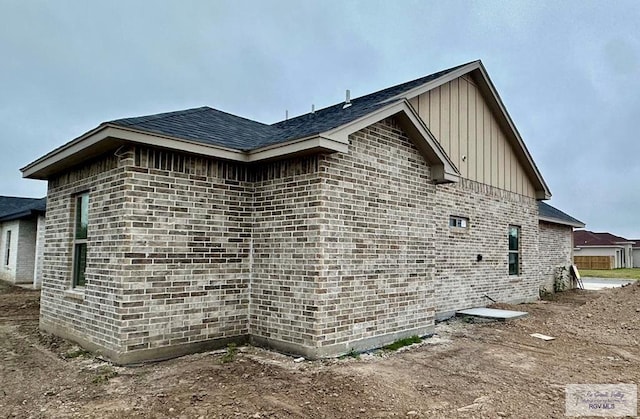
(495, 154)
(434, 113)
(463, 115)
(473, 152)
(445, 117)
(501, 160)
(488, 149)
(454, 121)
(508, 175)
(415, 102)
(479, 136)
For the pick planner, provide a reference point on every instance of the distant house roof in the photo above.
(553, 215)
(636, 243)
(13, 208)
(586, 238)
(210, 132)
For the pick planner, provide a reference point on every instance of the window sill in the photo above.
(74, 294)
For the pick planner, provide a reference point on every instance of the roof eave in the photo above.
(108, 137)
(562, 222)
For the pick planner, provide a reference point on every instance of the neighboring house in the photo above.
(635, 252)
(555, 246)
(342, 229)
(22, 222)
(618, 249)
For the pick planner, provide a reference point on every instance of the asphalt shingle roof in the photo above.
(12, 207)
(547, 211)
(589, 238)
(211, 126)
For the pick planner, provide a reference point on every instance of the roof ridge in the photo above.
(427, 78)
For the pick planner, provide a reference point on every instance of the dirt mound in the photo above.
(613, 318)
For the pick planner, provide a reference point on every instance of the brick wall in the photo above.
(556, 251)
(378, 233)
(461, 280)
(315, 255)
(187, 267)
(92, 316)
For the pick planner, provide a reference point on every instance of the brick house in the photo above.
(22, 222)
(555, 244)
(342, 229)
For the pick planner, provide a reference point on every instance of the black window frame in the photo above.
(80, 238)
(513, 258)
(7, 256)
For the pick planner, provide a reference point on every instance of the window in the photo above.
(460, 222)
(80, 240)
(7, 252)
(514, 250)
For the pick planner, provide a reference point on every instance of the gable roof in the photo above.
(586, 238)
(211, 132)
(553, 215)
(13, 208)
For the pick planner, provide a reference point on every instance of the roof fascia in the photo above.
(315, 143)
(443, 169)
(84, 145)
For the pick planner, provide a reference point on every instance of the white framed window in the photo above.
(458, 222)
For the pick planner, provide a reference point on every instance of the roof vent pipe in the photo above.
(286, 114)
(347, 101)
(313, 108)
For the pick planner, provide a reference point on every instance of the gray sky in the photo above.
(567, 71)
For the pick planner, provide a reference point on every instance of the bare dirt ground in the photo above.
(472, 370)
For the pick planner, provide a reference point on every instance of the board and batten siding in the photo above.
(464, 124)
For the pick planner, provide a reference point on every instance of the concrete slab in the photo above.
(595, 284)
(492, 313)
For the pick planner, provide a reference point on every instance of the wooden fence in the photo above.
(594, 262)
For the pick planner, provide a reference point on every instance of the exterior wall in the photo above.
(316, 256)
(379, 242)
(636, 258)
(461, 281)
(92, 315)
(167, 255)
(8, 271)
(556, 251)
(187, 270)
(22, 257)
(26, 251)
(40, 231)
(287, 264)
(462, 121)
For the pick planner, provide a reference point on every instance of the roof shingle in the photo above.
(12, 207)
(211, 126)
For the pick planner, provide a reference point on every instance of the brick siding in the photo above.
(315, 255)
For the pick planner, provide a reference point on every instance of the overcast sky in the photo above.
(567, 71)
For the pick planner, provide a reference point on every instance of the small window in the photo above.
(460, 222)
(80, 239)
(7, 252)
(514, 250)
